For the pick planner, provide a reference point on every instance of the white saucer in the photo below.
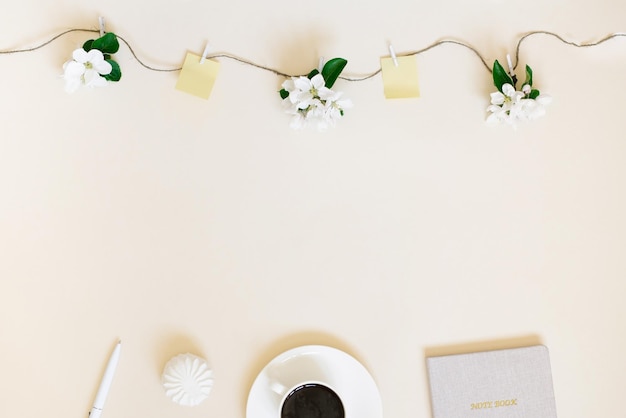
(349, 378)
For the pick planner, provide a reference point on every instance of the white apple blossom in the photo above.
(334, 106)
(510, 106)
(311, 102)
(85, 68)
(535, 108)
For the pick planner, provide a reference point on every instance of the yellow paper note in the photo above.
(401, 81)
(196, 78)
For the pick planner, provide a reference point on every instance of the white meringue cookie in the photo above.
(187, 379)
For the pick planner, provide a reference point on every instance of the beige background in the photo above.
(176, 224)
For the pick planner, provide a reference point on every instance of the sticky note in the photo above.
(196, 78)
(401, 81)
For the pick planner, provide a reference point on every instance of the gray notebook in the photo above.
(512, 383)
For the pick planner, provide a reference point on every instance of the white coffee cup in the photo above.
(313, 390)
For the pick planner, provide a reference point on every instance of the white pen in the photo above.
(105, 384)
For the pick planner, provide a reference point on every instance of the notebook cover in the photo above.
(512, 383)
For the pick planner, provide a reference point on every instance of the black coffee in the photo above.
(312, 400)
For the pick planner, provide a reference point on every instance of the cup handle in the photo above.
(278, 388)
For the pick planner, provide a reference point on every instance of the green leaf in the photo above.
(529, 76)
(312, 74)
(108, 43)
(534, 93)
(116, 72)
(87, 45)
(500, 76)
(283, 94)
(332, 69)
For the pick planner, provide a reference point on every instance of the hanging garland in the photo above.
(309, 98)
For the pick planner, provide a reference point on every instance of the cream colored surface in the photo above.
(177, 224)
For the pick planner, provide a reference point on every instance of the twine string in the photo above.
(361, 78)
(48, 42)
(560, 38)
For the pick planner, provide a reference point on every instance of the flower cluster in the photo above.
(310, 99)
(509, 105)
(92, 65)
